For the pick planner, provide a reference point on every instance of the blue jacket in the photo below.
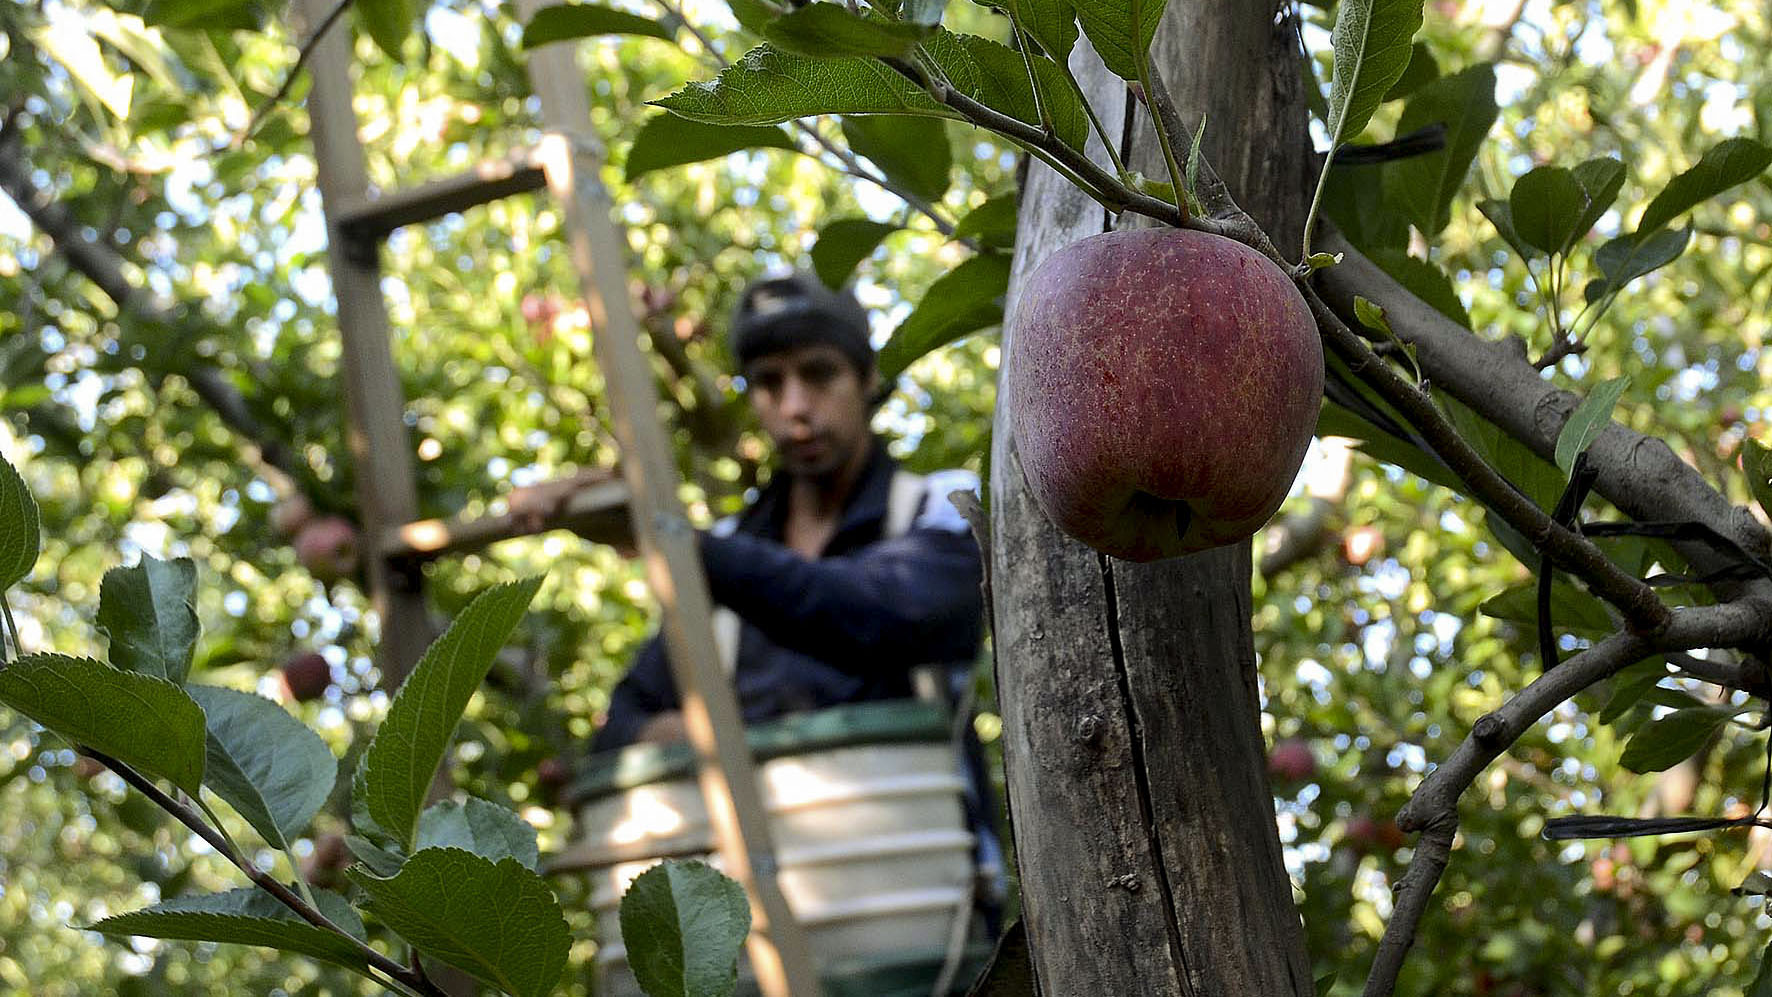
(846, 628)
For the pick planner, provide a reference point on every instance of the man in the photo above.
(845, 573)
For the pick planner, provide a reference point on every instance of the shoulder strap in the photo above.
(903, 502)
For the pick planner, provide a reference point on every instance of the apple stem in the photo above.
(1310, 218)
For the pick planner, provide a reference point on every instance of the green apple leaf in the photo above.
(475, 825)
(142, 720)
(1589, 419)
(1372, 49)
(1756, 463)
(146, 610)
(1425, 281)
(268, 765)
(1367, 215)
(912, 152)
(996, 76)
(843, 244)
(248, 916)
(768, 86)
(831, 31)
(1572, 608)
(1121, 31)
(1667, 741)
(683, 924)
(564, 22)
(1426, 185)
(1531, 474)
(1626, 258)
(21, 536)
(389, 22)
(397, 769)
(964, 300)
(991, 223)
(666, 140)
(1501, 215)
(1629, 687)
(498, 922)
(1601, 180)
(1546, 204)
(1422, 70)
(1726, 164)
(1051, 23)
(243, 15)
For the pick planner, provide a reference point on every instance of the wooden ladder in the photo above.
(567, 163)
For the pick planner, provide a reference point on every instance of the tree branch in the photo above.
(263, 880)
(101, 265)
(304, 53)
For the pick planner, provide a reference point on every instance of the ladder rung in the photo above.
(377, 216)
(598, 512)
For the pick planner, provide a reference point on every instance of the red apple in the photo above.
(551, 776)
(307, 676)
(327, 548)
(1163, 386)
(1291, 761)
(290, 514)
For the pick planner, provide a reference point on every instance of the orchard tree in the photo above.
(1583, 185)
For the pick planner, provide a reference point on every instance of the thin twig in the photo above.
(305, 53)
(263, 880)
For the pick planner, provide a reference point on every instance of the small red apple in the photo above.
(290, 514)
(329, 859)
(1366, 834)
(1163, 386)
(327, 548)
(551, 776)
(1291, 761)
(307, 676)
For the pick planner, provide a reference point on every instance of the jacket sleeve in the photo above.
(646, 691)
(903, 601)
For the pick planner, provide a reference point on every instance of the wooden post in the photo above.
(1144, 827)
(777, 945)
(381, 455)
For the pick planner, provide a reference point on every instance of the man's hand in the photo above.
(664, 728)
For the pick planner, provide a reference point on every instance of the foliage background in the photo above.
(1382, 666)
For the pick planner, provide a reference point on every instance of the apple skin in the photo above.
(1163, 386)
(327, 548)
(307, 676)
(1291, 761)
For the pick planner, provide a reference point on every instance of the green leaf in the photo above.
(683, 924)
(1756, 463)
(21, 537)
(843, 244)
(247, 916)
(1334, 420)
(388, 22)
(1601, 180)
(147, 613)
(1546, 204)
(1356, 201)
(1667, 741)
(381, 861)
(1590, 417)
(754, 15)
(567, 21)
(995, 75)
(1422, 70)
(1724, 165)
(267, 764)
(768, 87)
(497, 921)
(1372, 49)
(914, 152)
(1626, 258)
(991, 223)
(1372, 316)
(244, 15)
(964, 300)
(1533, 475)
(666, 140)
(1424, 280)
(1051, 23)
(1630, 685)
(1572, 608)
(475, 825)
(1501, 215)
(142, 720)
(1762, 984)
(1121, 31)
(397, 769)
(830, 31)
(1426, 185)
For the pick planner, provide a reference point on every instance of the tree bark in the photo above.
(1144, 825)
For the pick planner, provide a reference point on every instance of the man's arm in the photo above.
(905, 600)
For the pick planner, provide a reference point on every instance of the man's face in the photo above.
(814, 406)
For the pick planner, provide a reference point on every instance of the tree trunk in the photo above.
(1144, 826)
